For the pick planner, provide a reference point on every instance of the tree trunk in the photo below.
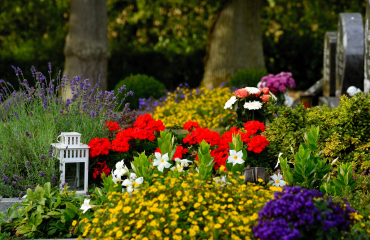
(87, 47)
(234, 42)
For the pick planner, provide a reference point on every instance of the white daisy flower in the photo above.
(277, 180)
(230, 102)
(255, 105)
(235, 157)
(161, 161)
(252, 90)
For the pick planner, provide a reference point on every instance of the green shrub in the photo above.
(142, 86)
(343, 131)
(247, 77)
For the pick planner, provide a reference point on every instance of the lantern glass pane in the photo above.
(74, 176)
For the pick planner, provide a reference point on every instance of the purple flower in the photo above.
(28, 164)
(294, 213)
(5, 178)
(51, 151)
(65, 183)
(28, 134)
(42, 157)
(6, 166)
(53, 180)
(42, 174)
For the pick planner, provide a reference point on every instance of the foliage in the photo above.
(309, 168)
(32, 119)
(247, 77)
(292, 27)
(298, 213)
(201, 105)
(45, 212)
(187, 207)
(342, 131)
(173, 34)
(143, 86)
(343, 184)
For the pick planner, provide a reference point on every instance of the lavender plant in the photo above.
(32, 118)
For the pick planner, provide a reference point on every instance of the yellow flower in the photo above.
(75, 222)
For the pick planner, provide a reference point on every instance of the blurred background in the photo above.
(169, 40)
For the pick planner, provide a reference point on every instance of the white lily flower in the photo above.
(334, 161)
(132, 183)
(220, 180)
(115, 178)
(196, 169)
(235, 157)
(277, 180)
(183, 161)
(86, 205)
(178, 166)
(161, 161)
(278, 162)
(121, 169)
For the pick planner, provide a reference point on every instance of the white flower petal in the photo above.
(165, 157)
(126, 183)
(139, 180)
(158, 156)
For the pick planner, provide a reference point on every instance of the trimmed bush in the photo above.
(247, 77)
(142, 86)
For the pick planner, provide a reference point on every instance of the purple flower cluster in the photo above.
(297, 212)
(278, 83)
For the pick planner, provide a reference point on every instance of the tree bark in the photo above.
(87, 47)
(234, 42)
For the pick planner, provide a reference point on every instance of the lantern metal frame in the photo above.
(69, 149)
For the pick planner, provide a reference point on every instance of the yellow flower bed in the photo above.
(201, 105)
(175, 208)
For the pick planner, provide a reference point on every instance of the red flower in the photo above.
(113, 126)
(220, 156)
(258, 143)
(190, 126)
(102, 169)
(253, 126)
(99, 147)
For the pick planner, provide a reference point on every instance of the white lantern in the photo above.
(69, 149)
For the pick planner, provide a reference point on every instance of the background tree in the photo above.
(234, 42)
(87, 48)
(167, 39)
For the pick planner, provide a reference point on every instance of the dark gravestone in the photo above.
(350, 53)
(330, 44)
(367, 46)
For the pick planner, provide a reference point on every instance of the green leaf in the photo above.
(47, 188)
(71, 209)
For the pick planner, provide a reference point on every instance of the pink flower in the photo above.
(241, 93)
(265, 98)
(265, 90)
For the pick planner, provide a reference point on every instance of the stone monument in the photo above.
(367, 49)
(349, 53)
(330, 44)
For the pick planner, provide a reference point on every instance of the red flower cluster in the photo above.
(191, 126)
(145, 127)
(200, 134)
(113, 126)
(252, 127)
(178, 153)
(102, 169)
(99, 147)
(258, 143)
